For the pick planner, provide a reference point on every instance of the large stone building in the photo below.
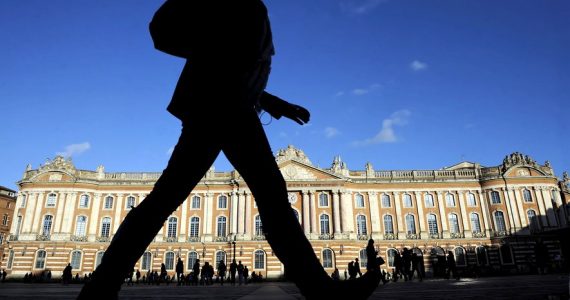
(489, 216)
(7, 204)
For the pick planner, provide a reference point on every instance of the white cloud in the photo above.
(339, 94)
(364, 91)
(386, 133)
(74, 149)
(417, 65)
(331, 132)
(359, 7)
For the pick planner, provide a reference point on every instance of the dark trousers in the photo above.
(240, 135)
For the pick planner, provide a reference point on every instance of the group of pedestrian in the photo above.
(406, 264)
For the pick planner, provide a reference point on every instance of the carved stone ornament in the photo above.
(296, 172)
(60, 164)
(292, 198)
(518, 158)
(292, 153)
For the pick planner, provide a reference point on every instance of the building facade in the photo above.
(7, 204)
(490, 217)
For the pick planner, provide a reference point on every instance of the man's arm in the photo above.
(278, 107)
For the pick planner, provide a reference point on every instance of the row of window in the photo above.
(323, 200)
(324, 220)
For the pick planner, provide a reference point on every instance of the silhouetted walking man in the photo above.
(179, 271)
(222, 271)
(233, 270)
(196, 269)
(451, 266)
(228, 46)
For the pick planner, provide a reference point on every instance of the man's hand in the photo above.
(296, 113)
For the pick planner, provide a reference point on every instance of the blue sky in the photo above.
(402, 84)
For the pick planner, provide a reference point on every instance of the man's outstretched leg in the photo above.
(253, 159)
(193, 155)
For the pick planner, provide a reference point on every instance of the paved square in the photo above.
(514, 287)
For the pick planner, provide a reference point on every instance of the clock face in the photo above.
(292, 197)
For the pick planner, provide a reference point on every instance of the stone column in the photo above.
(464, 218)
(36, 226)
(519, 211)
(234, 212)
(421, 215)
(347, 214)
(485, 213)
(542, 211)
(184, 221)
(548, 205)
(336, 212)
(241, 214)
(510, 217)
(28, 217)
(248, 223)
(208, 217)
(442, 214)
(401, 230)
(117, 218)
(374, 215)
(314, 216)
(94, 218)
(69, 214)
(58, 217)
(306, 213)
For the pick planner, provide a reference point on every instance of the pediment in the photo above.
(52, 176)
(296, 171)
(523, 172)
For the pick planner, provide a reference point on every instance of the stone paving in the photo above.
(547, 287)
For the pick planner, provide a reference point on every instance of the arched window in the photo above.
(386, 201)
(411, 224)
(359, 199)
(471, 201)
(325, 229)
(453, 223)
(327, 258)
(361, 225)
(363, 258)
(195, 202)
(169, 260)
(108, 202)
(106, 227)
(482, 259)
(99, 258)
(432, 224)
(222, 202)
(84, 201)
(527, 195)
(50, 202)
(495, 198)
(407, 200)
(258, 226)
(192, 257)
(46, 228)
(259, 259)
(428, 199)
(221, 226)
(506, 255)
(172, 227)
(532, 220)
(194, 226)
(131, 202)
(391, 254)
(323, 200)
(220, 256)
(450, 200)
(500, 221)
(388, 225)
(40, 259)
(76, 260)
(5, 219)
(475, 223)
(460, 257)
(80, 226)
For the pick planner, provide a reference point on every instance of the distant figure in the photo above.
(67, 275)
(138, 276)
(163, 272)
(357, 267)
(48, 275)
(351, 271)
(398, 263)
(228, 46)
(451, 266)
(4, 274)
(416, 266)
(196, 269)
(541, 256)
(222, 271)
(335, 275)
(245, 274)
(233, 270)
(406, 263)
(373, 261)
(179, 271)
(240, 272)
